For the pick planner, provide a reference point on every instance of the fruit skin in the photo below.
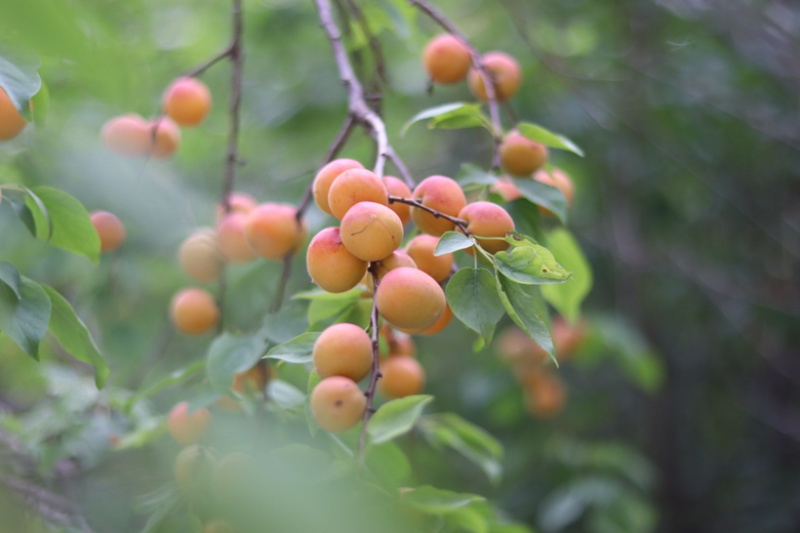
(165, 137)
(545, 394)
(232, 241)
(442, 194)
(11, 122)
(343, 350)
(521, 156)
(504, 71)
(487, 219)
(559, 179)
(110, 230)
(505, 187)
(199, 255)
(421, 249)
(402, 376)
(446, 59)
(188, 428)
(394, 260)
(337, 404)
(273, 231)
(194, 311)
(410, 299)
(331, 265)
(397, 344)
(128, 135)
(354, 186)
(187, 101)
(371, 231)
(397, 187)
(239, 202)
(324, 178)
(437, 326)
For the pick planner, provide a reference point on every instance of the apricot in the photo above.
(446, 59)
(343, 350)
(127, 135)
(505, 73)
(200, 256)
(194, 467)
(402, 376)
(437, 326)
(421, 249)
(371, 231)
(513, 345)
(487, 219)
(239, 202)
(394, 260)
(273, 231)
(11, 122)
(194, 311)
(324, 178)
(252, 380)
(560, 180)
(545, 395)
(331, 265)
(165, 137)
(187, 101)
(188, 428)
(567, 338)
(337, 404)
(110, 230)
(398, 344)
(354, 186)
(232, 241)
(397, 187)
(442, 194)
(410, 299)
(505, 187)
(521, 156)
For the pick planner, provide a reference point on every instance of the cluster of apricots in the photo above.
(186, 102)
(11, 122)
(545, 393)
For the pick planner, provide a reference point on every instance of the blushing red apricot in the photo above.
(442, 194)
(354, 186)
(110, 230)
(11, 122)
(188, 428)
(232, 241)
(194, 311)
(371, 231)
(343, 350)
(409, 298)
(487, 219)
(402, 376)
(504, 71)
(421, 249)
(521, 156)
(127, 135)
(558, 179)
(506, 188)
(331, 265)
(324, 178)
(273, 231)
(165, 137)
(187, 101)
(239, 202)
(337, 404)
(199, 255)
(446, 59)
(397, 187)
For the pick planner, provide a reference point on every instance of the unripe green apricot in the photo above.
(409, 298)
(343, 350)
(193, 468)
(371, 231)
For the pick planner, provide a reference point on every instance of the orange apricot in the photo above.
(199, 255)
(371, 231)
(110, 230)
(239, 202)
(127, 135)
(505, 187)
(11, 122)
(397, 187)
(324, 178)
(188, 428)
(560, 180)
(252, 380)
(545, 395)
(487, 219)
(505, 73)
(402, 376)
(437, 326)
(354, 186)
(232, 241)
(331, 265)
(421, 249)
(273, 231)
(520, 155)
(446, 59)
(409, 298)
(343, 350)
(397, 344)
(194, 311)
(337, 403)
(165, 137)
(187, 101)
(394, 260)
(442, 194)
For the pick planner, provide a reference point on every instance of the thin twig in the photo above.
(286, 270)
(460, 222)
(237, 59)
(376, 371)
(372, 41)
(197, 71)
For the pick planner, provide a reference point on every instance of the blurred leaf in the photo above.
(73, 335)
(313, 380)
(42, 222)
(69, 222)
(437, 501)
(567, 504)
(24, 319)
(467, 519)
(10, 276)
(521, 304)
(388, 463)
(396, 417)
(285, 394)
(568, 297)
(547, 137)
(474, 175)
(325, 306)
(19, 75)
(452, 241)
(175, 377)
(17, 200)
(544, 195)
(230, 354)
(629, 513)
(402, 15)
(473, 299)
(40, 104)
(297, 350)
(291, 321)
(529, 263)
(455, 115)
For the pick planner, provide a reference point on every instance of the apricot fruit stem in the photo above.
(376, 373)
(460, 222)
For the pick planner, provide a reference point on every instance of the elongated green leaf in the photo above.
(71, 227)
(568, 297)
(388, 463)
(471, 441)
(10, 276)
(42, 222)
(74, 336)
(285, 394)
(18, 75)
(229, 354)
(543, 195)
(455, 115)
(548, 138)
(396, 417)
(175, 377)
(438, 501)
(297, 350)
(474, 175)
(17, 200)
(473, 298)
(25, 319)
(452, 241)
(522, 303)
(529, 263)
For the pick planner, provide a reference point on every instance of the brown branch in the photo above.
(234, 105)
(376, 371)
(197, 71)
(286, 270)
(460, 222)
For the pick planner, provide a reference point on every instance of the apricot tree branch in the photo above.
(286, 271)
(460, 222)
(197, 71)
(234, 104)
(376, 371)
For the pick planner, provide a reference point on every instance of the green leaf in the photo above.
(25, 318)
(455, 115)
(74, 336)
(297, 350)
(40, 105)
(285, 394)
(70, 226)
(472, 296)
(629, 348)
(568, 297)
(529, 263)
(290, 322)
(471, 441)
(544, 195)
(522, 303)
(42, 223)
(548, 138)
(396, 417)
(438, 501)
(326, 306)
(10, 276)
(19, 75)
(230, 354)
(388, 463)
(16, 199)
(313, 380)
(452, 241)
(474, 175)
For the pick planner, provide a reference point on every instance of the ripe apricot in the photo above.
(110, 230)
(199, 255)
(545, 395)
(165, 137)
(504, 71)
(337, 403)
(273, 231)
(560, 180)
(343, 350)
(442, 194)
(397, 344)
(252, 380)
(421, 249)
(232, 241)
(194, 311)
(487, 219)
(521, 156)
(371, 231)
(188, 428)
(331, 265)
(239, 202)
(402, 376)
(409, 298)
(567, 338)
(394, 260)
(11, 122)
(505, 187)
(353, 186)
(397, 187)
(194, 467)
(446, 59)
(324, 178)
(128, 135)
(437, 326)
(187, 101)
